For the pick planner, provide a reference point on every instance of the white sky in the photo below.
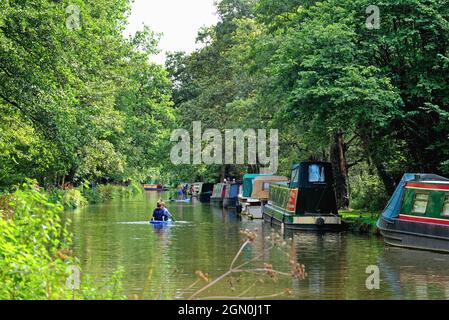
(178, 20)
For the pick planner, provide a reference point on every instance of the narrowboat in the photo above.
(154, 187)
(417, 214)
(308, 202)
(205, 192)
(197, 188)
(247, 188)
(259, 195)
(230, 199)
(218, 194)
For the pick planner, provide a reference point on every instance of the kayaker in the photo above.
(166, 212)
(161, 213)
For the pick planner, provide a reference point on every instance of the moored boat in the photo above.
(259, 195)
(154, 187)
(197, 188)
(231, 195)
(218, 194)
(308, 202)
(246, 188)
(417, 214)
(205, 192)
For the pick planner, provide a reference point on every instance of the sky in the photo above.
(178, 20)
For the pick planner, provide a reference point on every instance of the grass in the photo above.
(362, 221)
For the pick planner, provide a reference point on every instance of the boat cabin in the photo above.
(247, 187)
(417, 214)
(261, 186)
(231, 194)
(308, 201)
(205, 192)
(218, 194)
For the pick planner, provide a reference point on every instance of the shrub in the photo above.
(35, 250)
(368, 192)
(73, 199)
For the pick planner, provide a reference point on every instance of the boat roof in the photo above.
(297, 165)
(270, 178)
(429, 178)
(255, 175)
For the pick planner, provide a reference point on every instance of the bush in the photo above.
(35, 250)
(368, 192)
(73, 199)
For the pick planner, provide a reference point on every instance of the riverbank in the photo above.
(78, 197)
(37, 260)
(360, 221)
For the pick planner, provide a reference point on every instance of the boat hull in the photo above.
(415, 235)
(311, 222)
(216, 201)
(205, 197)
(229, 202)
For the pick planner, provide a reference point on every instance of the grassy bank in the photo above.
(360, 221)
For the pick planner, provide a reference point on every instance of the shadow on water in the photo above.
(160, 263)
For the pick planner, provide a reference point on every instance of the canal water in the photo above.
(164, 263)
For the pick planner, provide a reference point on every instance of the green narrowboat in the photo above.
(417, 215)
(218, 194)
(308, 202)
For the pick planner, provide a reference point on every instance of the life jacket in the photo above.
(159, 214)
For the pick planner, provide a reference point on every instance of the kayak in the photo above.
(161, 223)
(185, 200)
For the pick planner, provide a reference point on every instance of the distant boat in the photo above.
(183, 200)
(154, 187)
(205, 192)
(218, 194)
(246, 188)
(230, 199)
(417, 214)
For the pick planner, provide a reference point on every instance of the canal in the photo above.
(164, 263)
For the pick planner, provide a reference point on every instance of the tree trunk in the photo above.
(387, 179)
(340, 168)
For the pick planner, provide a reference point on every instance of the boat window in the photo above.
(445, 211)
(420, 203)
(316, 173)
(266, 186)
(294, 182)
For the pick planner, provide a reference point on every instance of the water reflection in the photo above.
(160, 263)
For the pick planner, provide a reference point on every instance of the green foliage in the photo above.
(368, 192)
(313, 69)
(34, 250)
(69, 109)
(73, 199)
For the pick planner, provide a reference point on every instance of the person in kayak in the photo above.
(161, 213)
(167, 213)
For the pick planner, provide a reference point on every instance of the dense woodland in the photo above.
(85, 104)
